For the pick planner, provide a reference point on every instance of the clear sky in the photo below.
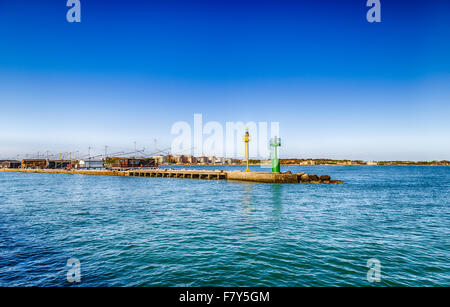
(339, 86)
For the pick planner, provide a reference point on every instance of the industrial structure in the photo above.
(56, 164)
(34, 163)
(246, 140)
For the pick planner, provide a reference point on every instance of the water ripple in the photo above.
(179, 232)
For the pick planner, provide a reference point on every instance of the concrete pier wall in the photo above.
(261, 177)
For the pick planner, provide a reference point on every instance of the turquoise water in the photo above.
(131, 231)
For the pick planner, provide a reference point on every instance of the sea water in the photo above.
(132, 231)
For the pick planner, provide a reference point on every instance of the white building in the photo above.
(90, 164)
(219, 160)
(203, 159)
(161, 159)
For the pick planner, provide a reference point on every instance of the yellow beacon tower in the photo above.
(246, 140)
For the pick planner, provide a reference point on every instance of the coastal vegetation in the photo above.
(359, 162)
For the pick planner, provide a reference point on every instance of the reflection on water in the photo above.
(249, 207)
(247, 222)
(247, 199)
(276, 192)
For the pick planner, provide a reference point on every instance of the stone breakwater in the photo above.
(259, 177)
(287, 177)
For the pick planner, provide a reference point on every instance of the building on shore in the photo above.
(60, 164)
(179, 159)
(161, 159)
(89, 164)
(34, 163)
(175, 159)
(308, 162)
(203, 160)
(219, 160)
(231, 161)
(9, 164)
(169, 159)
(190, 159)
(345, 162)
(371, 163)
(123, 162)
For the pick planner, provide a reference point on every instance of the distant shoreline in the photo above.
(328, 162)
(294, 164)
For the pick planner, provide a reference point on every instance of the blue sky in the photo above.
(339, 86)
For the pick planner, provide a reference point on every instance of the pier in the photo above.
(257, 177)
(172, 173)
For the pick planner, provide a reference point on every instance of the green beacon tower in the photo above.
(274, 144)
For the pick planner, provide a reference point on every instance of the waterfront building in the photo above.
(191, 159)
(219, 160)
(203, 159)
(175, 159)
(89, 164)
(60, 164)
(179, 159)
(9, 164)
(34, 163)
(308, 162)
(232, 161)
(123, 162)
(161, 159)
(170, 159)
